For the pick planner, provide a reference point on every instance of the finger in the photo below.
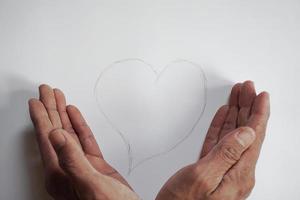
(47, 97)
(227, 153)
(230, 121)
(240, 179)
(231, 118)
(62, 110)
(43, 126)
(70, 156)
(258, 121)
(213, 132)
(39, 117)
(85, 135)
(84, 177)
(235, 95)
(246, 100)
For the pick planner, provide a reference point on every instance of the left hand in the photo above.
(226, 167)
(73, 163)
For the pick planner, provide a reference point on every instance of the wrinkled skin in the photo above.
(208, 179)
(76, 150)
(75, 168)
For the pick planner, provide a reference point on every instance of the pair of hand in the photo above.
(75, 168)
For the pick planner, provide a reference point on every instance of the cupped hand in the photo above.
(73, 163)
(226, 167)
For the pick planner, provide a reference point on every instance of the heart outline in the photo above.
(158, 74)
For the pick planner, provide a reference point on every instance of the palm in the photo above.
(245, 109)
(104, 168)
(50, 113)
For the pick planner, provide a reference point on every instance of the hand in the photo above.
(226, 167)
(73, 163)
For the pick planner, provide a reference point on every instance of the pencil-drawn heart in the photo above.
(152, 111)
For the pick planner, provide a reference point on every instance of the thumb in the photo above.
(70, 156)
(229, 150)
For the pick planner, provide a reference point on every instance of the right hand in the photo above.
(226, 168)
(73, 163)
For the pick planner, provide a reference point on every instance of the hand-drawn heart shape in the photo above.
(152, 111)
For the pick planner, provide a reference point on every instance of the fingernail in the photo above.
(246, 136)
(57, 139)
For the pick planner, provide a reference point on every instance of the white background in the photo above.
(68, 43)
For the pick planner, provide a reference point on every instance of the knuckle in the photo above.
(229, 153)
(40, 121)
(67, 162)
(206, 187)
(69, 129)
(204, 181)
(88, 137)
(83, 125)
(198, 176)
(228, 124)
(204, 184)
(55, 131)
(212, 139)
